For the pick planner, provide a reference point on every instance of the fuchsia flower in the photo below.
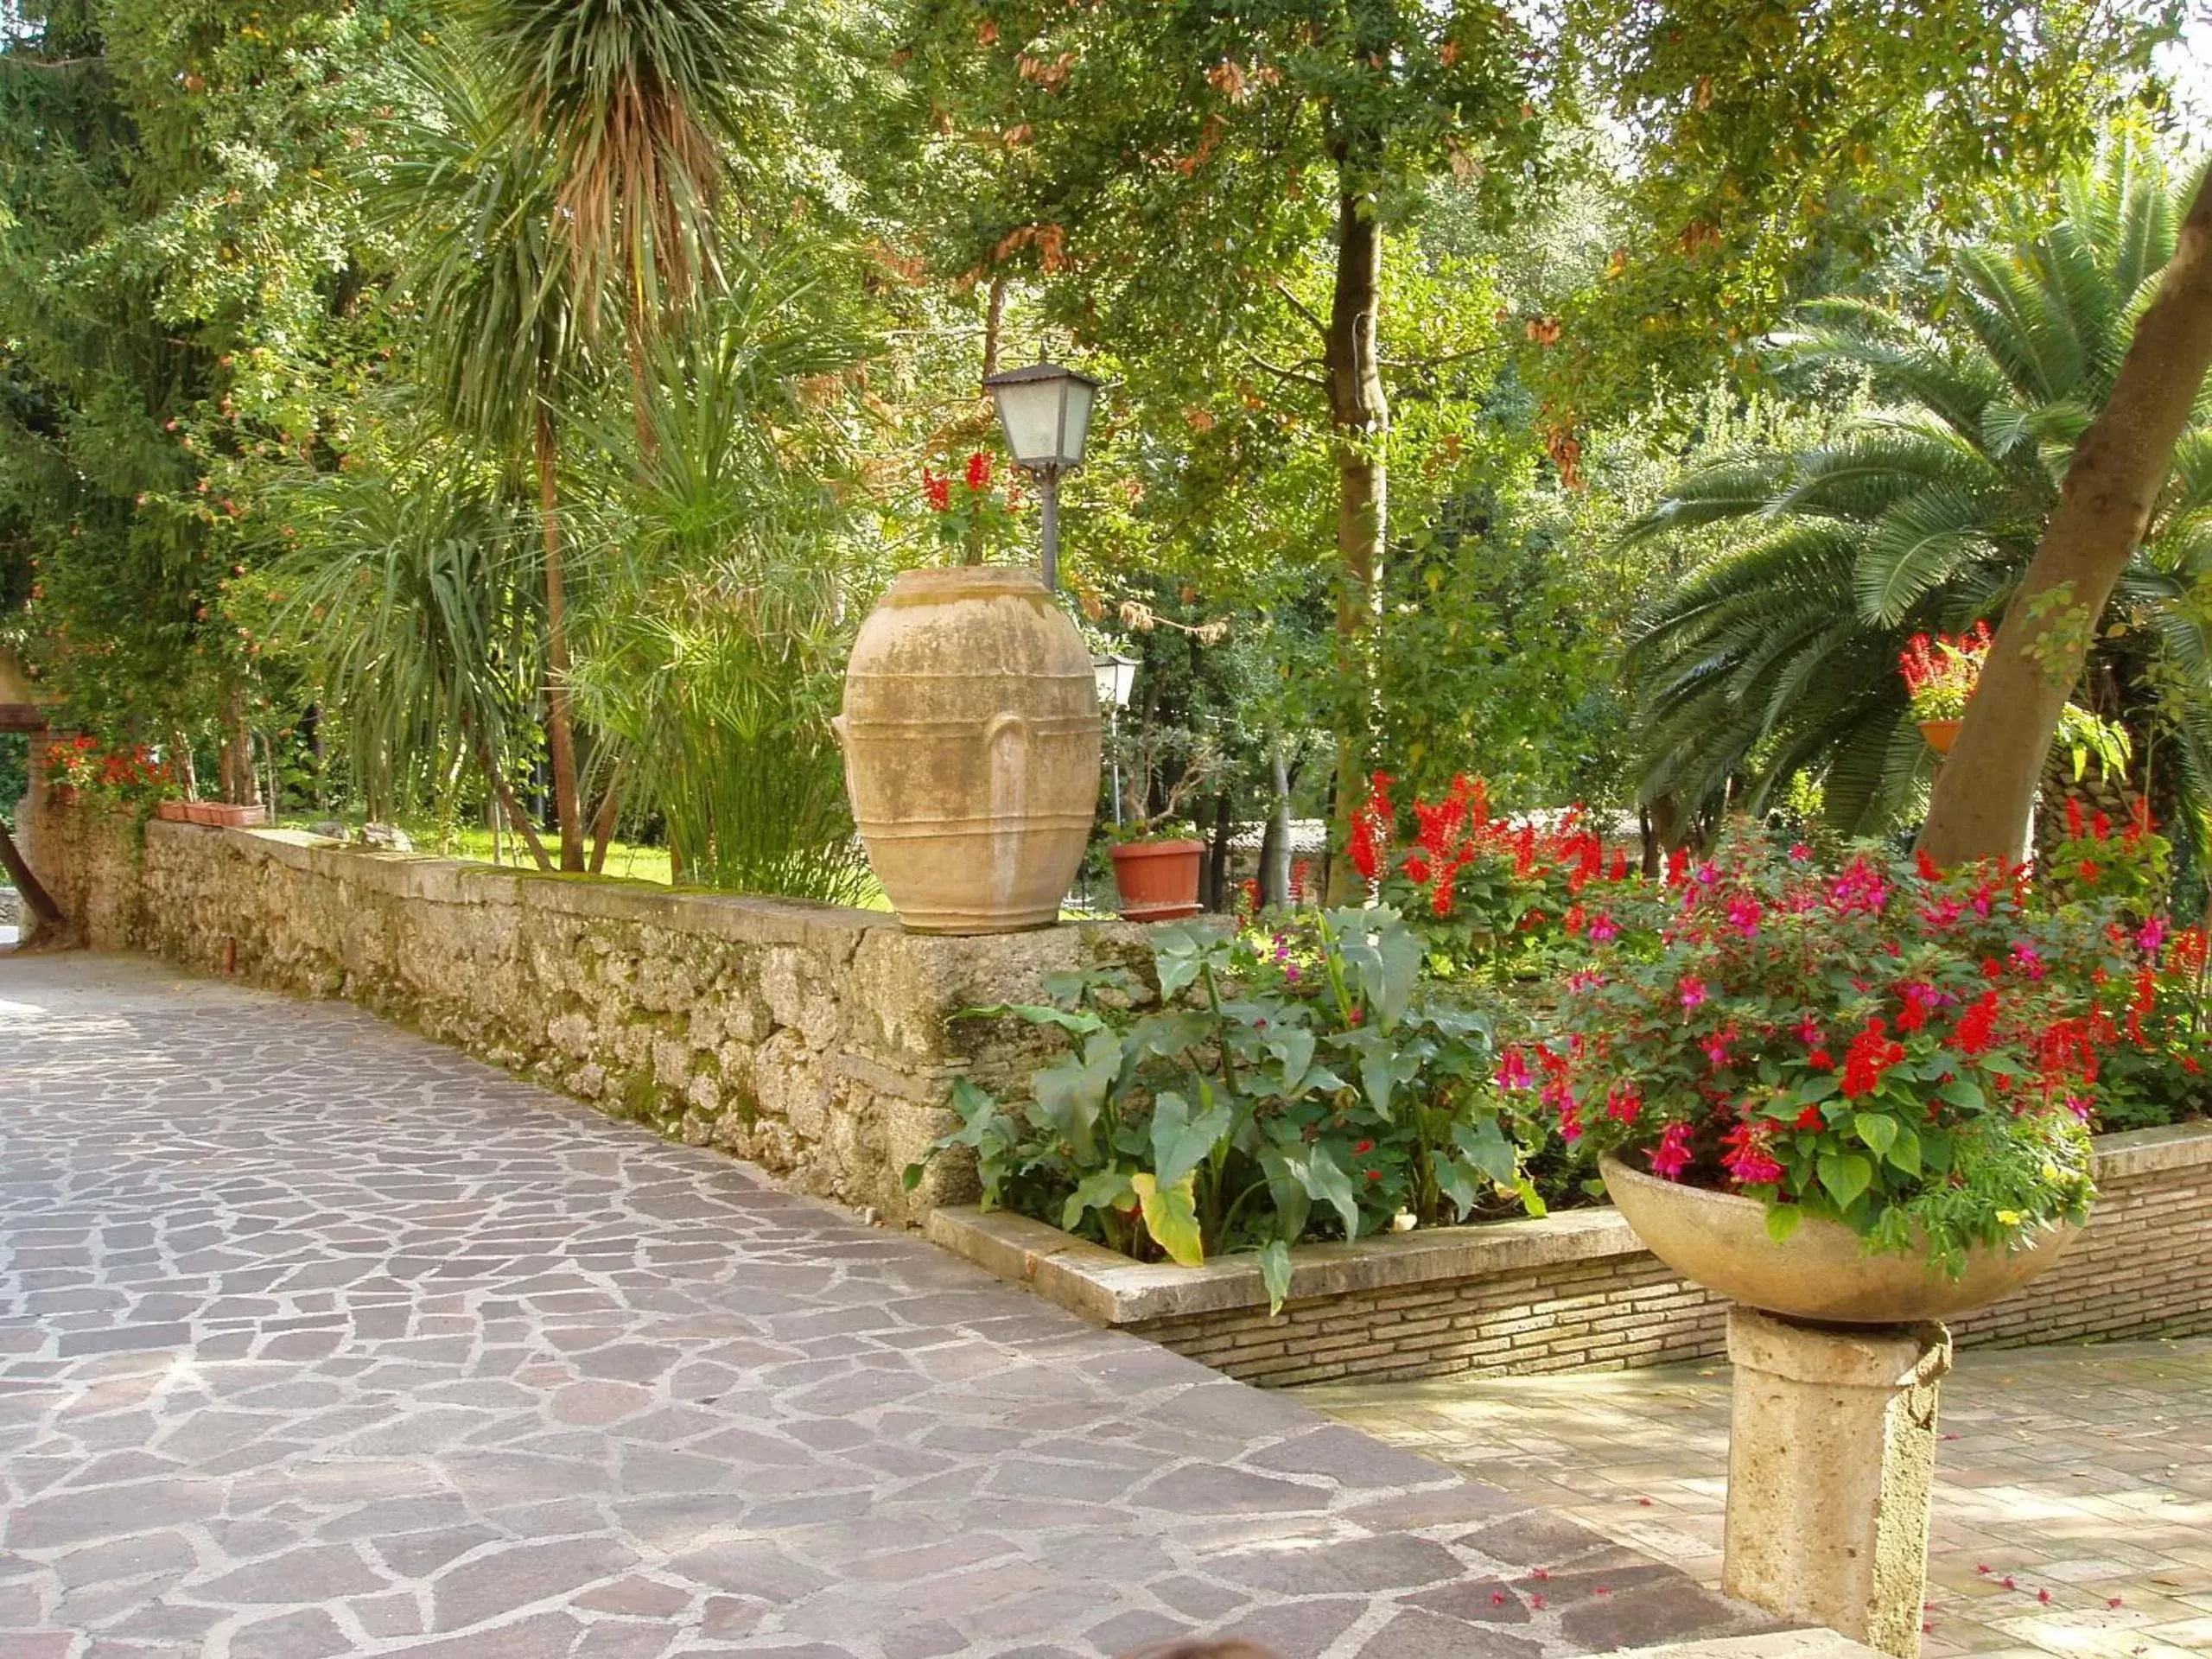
(1744, 914)
(1605, 928)
(1747, 1158)
(1672, 1155)
(1513, 1071)
(1693, 991)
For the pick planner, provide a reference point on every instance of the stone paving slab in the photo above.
(2072, 1504)
(318, 1338)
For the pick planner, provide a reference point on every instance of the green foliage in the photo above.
(1311, 1082)
(729, 581)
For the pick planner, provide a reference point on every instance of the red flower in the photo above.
(1362, 1149)
(1812, 1118)
(1976, 1030)
(1871, 1054)
(936, 491)
(979, 472)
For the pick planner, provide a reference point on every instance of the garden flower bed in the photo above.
(1575, 1291)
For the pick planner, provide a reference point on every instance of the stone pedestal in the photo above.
(1831, 1456)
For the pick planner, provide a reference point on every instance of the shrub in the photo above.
(1305, 1083)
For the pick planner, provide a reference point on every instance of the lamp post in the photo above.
(1044, 410)
(1115, 674)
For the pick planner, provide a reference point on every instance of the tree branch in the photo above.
(1303, 309)
(1283, 373)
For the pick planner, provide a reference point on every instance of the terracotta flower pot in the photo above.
(970, 732)
(1822, 1270)
(1941, 734)
(200, 812)
(173, 811)
(1158, 880)
(224, 815)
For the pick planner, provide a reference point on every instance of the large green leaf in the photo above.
(1103, 1189)
(1846, 1175)
(1181, 1142)
(1486, 1147)
(1072, 1093)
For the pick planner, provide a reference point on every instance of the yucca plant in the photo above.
(1777, 654)
(416, 616)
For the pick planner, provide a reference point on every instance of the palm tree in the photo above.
(1777, 653)
(635, 102)
(501, 345)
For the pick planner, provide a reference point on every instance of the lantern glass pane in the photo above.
(1075, 430)
(1029, 412)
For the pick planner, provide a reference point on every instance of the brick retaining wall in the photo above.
(1577, 1292)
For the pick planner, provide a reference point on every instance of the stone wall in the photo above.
(814, 1040)
(1577, 1291)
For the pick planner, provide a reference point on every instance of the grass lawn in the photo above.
(624, 860)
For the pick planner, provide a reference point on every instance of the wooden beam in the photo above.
(36, 895)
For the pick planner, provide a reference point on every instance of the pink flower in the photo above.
(2028, 959)
(1623, 1101)
(1744, 914)
(2152, 936)
(1605, 928)
(1799, 852)
(1672, 1155)
(1693, 991)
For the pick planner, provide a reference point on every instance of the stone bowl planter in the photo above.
(1158, 880)
(1821, 1271)
(1941, 734)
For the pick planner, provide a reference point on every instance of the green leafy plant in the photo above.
(1912, 1053)
(1308, 1082)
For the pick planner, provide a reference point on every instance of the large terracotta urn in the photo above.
(970, 732)
(1822, 1270)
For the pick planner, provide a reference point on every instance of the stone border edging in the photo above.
(1109, 1288)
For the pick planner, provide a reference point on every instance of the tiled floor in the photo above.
(2073, 1511)
(317, 1339)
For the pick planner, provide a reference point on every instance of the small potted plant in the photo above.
(1858, 1095)
(1940, 675)
(1156, 870)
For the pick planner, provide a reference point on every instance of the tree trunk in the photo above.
(1986, 786)
(559, 739)
(602, 827)
(1274, 842)
(1359, 417)
(994, 316)
(239, 778)
(1214, 888)
(517, 820)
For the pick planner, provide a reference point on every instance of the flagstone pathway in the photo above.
(319, 1338)
(2073, 1507)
